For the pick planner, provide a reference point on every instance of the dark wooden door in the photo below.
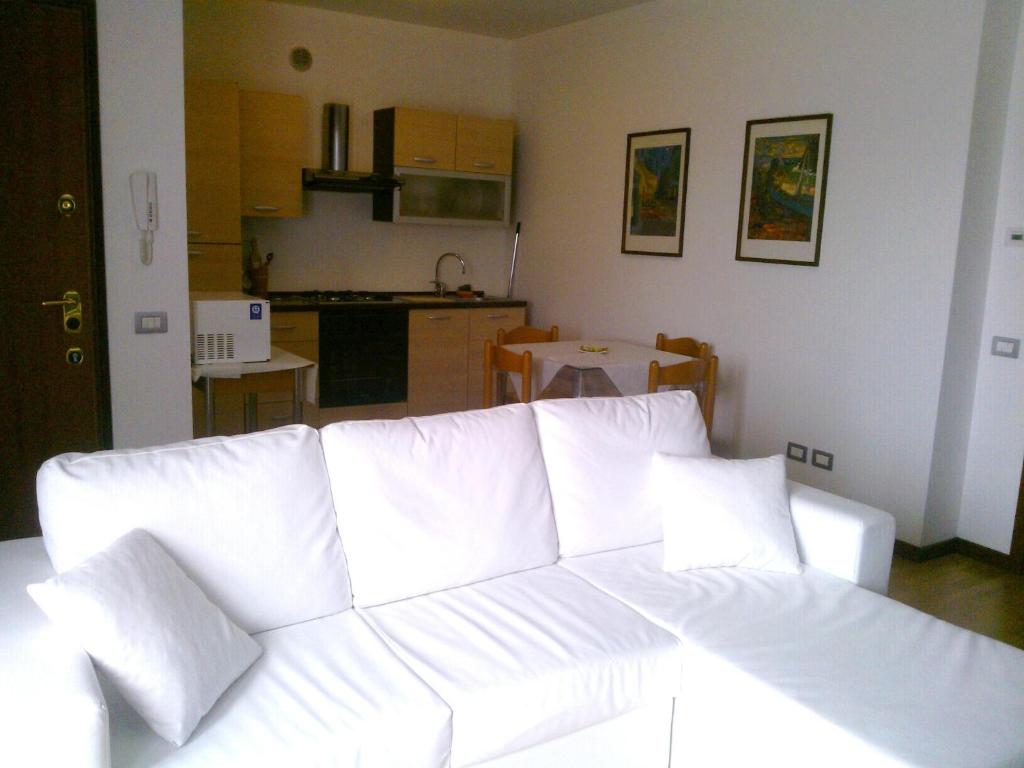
(54, 384)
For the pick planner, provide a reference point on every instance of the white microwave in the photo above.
(229, 327)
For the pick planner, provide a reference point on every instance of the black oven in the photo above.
(364, 353)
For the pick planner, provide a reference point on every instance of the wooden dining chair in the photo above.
(526, 334)
(684, 345)
(700, 374)
(500, 359)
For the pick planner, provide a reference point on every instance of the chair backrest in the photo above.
(684, 345)
(696, 373)
(526, 334)
(500, 359)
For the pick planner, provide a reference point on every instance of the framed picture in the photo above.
(654, 206)
(782, 198)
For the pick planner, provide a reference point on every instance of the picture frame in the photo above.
(782, 195)
(654, 201)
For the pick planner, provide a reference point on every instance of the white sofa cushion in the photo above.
(169, 650)
(722, 512)
(326, 692)
(436, 502)
(529, 657)
(599, 452)
(820, 671)
(249, 518)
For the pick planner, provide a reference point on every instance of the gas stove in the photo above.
(329, 297)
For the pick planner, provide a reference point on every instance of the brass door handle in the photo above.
(72, 304)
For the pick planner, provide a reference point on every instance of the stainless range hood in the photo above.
(334, 176)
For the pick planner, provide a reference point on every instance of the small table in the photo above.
(281, 372)
(561, 369)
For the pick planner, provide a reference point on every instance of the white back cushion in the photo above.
(248, 518)
(599, 453)
(429, 503)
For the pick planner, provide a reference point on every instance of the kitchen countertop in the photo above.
(399, 301)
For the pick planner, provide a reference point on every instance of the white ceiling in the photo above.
(496, 18)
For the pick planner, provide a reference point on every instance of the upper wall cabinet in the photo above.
(212, 162)
(454, 169)
(483, 145)
(273, 143)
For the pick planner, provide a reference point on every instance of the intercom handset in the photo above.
(143, 184)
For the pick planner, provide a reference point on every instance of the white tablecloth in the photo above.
(626, 364)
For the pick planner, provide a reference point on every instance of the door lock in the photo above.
(66, 204)
(74, 356)
(72, 305)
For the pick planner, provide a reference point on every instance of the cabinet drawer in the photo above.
(214, 267)
(293, 326)
(484, 146)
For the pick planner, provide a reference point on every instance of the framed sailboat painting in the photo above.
(782, 198)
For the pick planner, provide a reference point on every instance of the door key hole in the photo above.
(66, 204)
(74, 356)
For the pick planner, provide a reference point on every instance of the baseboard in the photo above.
(948, 547)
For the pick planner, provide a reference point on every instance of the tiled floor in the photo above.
(965, 592)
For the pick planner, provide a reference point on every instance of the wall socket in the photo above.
(796, 452)
(822, 459)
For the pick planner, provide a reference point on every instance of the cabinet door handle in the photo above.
(439, 317)
(482, 164)
(283, 327)
(265, 207)
(192, 254)
(426, 160)
(497, 317)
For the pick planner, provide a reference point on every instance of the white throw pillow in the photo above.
(598, 451)
(168, 649)
(718, 512)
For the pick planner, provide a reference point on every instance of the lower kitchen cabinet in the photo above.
(446, 355)
(484, 324)
(437, 360)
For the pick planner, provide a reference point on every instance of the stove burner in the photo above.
(330, 297)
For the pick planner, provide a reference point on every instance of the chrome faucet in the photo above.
(439, 286)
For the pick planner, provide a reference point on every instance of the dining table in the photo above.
(590, 367)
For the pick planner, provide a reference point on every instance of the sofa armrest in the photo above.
(51, 706)
(846, 538)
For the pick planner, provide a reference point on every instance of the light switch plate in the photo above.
(151, 322)
(796, 452)
(1004, 346)
(822, 459)
(1015, 236)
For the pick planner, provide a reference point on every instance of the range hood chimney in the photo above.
(333, 175)
(335, 137)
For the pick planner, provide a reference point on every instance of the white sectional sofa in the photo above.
(496, 597)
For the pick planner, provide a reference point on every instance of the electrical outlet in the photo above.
(822, 459)
(796, 452)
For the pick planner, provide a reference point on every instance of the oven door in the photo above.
(364, 355)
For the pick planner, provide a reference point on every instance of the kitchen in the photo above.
(336, 245)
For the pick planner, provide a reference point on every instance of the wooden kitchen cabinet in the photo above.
(273, 143)
(214, 267)
(414, 138)
(298, 333)
(484, 323)
(437, 360)
(483, 145)
(212, 164)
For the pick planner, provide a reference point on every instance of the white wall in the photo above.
(996, 448)
(142, 128)
(846, 357)
(970, 285)
(368, 64)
